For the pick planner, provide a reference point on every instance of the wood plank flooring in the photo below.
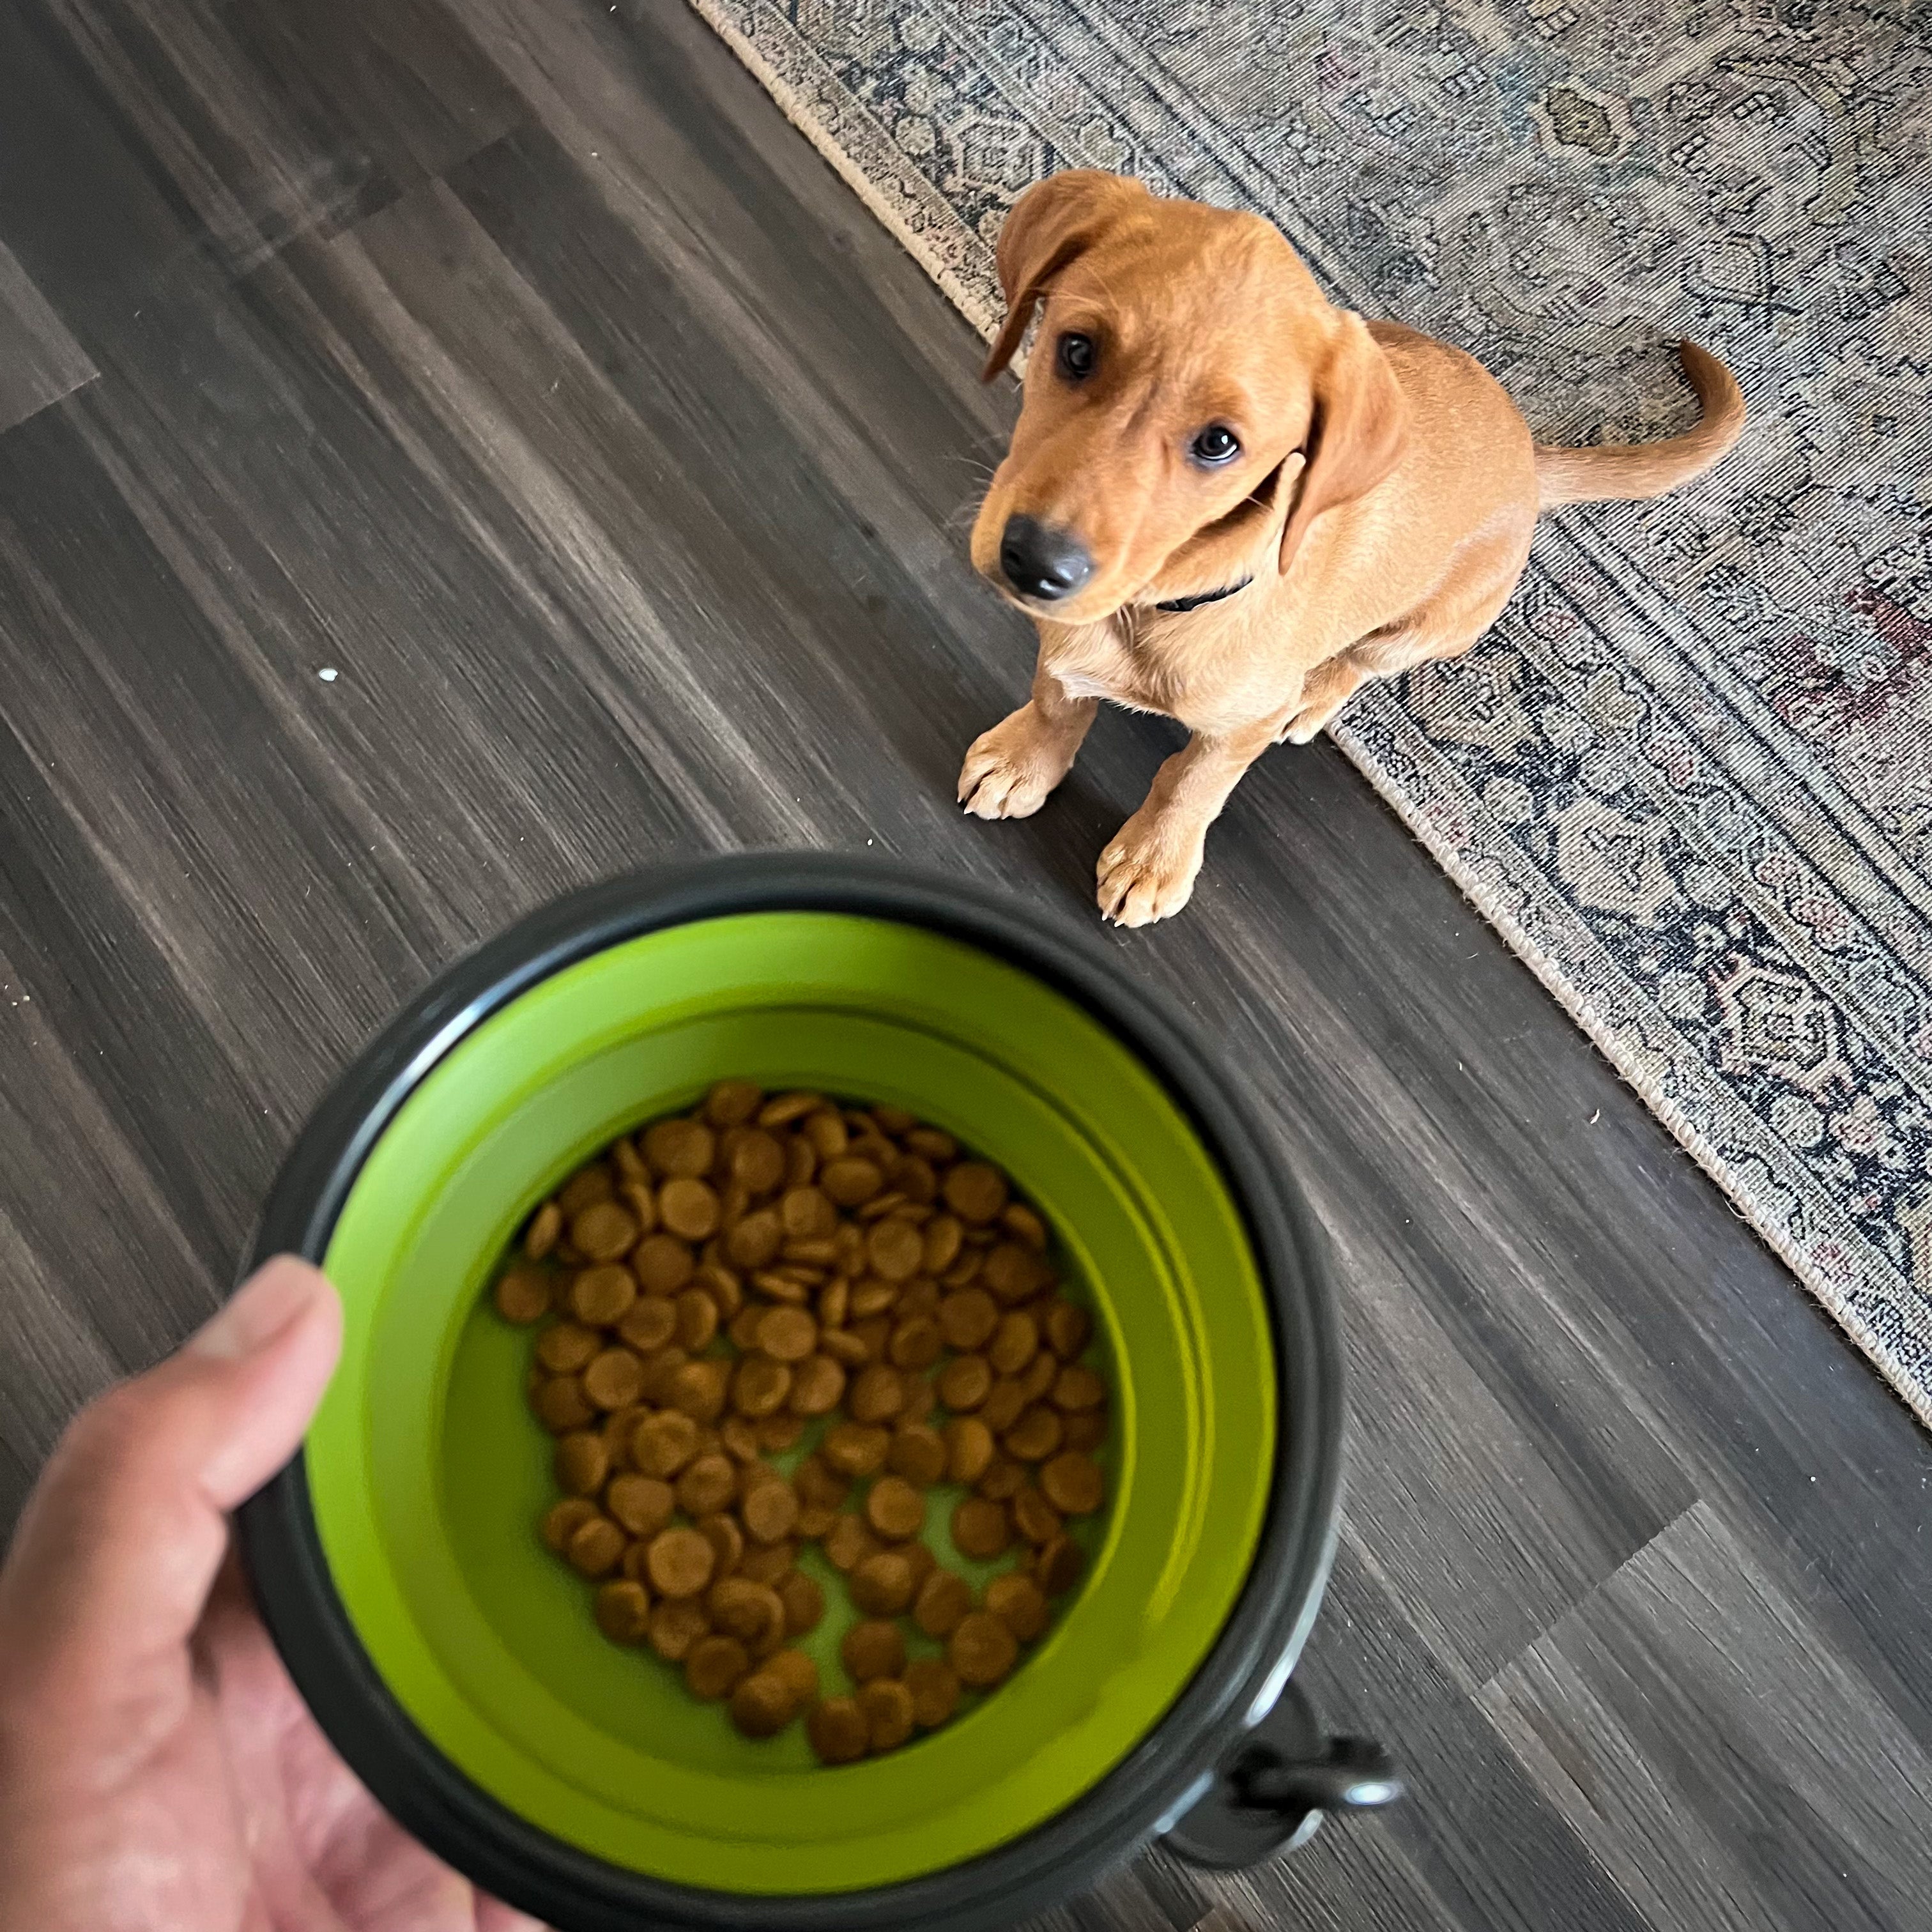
(514, 360)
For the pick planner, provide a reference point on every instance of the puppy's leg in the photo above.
(1326, 689)
(1147, 873)
(1009, 770)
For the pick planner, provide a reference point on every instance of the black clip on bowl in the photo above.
(1272, 1790)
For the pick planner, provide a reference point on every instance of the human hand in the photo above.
(158, 1771)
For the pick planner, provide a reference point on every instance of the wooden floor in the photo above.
(514, 360)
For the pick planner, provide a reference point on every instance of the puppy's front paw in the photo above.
(1148, 872)
(1010, 770)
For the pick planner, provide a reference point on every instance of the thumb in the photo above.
(120, 1540)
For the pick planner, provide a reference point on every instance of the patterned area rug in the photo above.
(1689, 774)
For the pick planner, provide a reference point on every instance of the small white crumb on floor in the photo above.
(328, 673)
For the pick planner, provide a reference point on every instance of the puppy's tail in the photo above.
(1614, 473)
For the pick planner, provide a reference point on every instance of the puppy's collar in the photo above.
(1200, 597)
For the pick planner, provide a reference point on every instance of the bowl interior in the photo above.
(427, 1474)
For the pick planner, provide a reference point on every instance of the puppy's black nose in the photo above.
(1040, 562)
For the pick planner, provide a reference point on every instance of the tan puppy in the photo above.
(1199, 420)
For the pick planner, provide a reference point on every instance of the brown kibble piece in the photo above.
(806, 1214)
(766, 1562)
(758, 1162)
(744, 1329)
(614, 1379)
(1087, 1430)
(975, 1192)
(720, 1529)
(783, 1108)
(680, 1562)
(643, 1504)
(894, 1509)
(846, 1348)
(849, 1181)
(969, 1449)
(546, 1225)
(697, 1320)
(967, 1318)
(523, 1296)
(848, 1542)
(852, 1449)
(837, 1730)
(1057, 1568)
(568, 1347)
(935, 1689)
(980, 1528)
(788, 1334)
(1019, 1603)
(826, 1132)
(1037, 1382)
(1068, 1328)
(872, 1296)
(662, 1264)
(795, 1668)
(689, 1208)
(983, 1649)
(580, 1462)
(881, 1585)
(873, 1649)
(594, 1546)
(711, 1483)
(965, 1382)
(918, 1453)
(1036, 1436)
(1076, 1389)
(877, 1394)
(1003, 1404)
(699, 1388)
(752, 1612)
(663, 1444)
(916, 1343)
(604, 1231)
(1024, 1223)
(762, 1704)
(944, 1598)
(886, 1704)
(730, 1103)
(753, 1242)
(1073, 1484)
(602, 1296)
(804, 1602)
(591, 1183)
(816, 1384)
(561, 1406)
(651, 1323)
(759, 1386)
(676, 1627)
(713, 1665)
(1003, 1479)
(1034, 1517)
(1012, 1273)
(769, 1510)
(561, 1521)
(623, 1612)
(940, 1244)
(894, 1249)
(1015, 1342)
(680, 1149)
(817, 1483)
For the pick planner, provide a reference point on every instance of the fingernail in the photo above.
(274, 1296)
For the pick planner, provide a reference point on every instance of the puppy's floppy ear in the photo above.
(1356, 433)
(1050, 224)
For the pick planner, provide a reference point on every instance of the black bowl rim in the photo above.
(1147, 1789)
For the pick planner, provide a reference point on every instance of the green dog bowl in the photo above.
(455, 1663)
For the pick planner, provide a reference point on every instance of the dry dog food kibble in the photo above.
(774, 1274)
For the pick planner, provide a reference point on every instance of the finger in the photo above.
(493, 1916)
(120, 1540)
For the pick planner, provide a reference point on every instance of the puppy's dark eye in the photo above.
(1076, 357)
(1216, 445)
